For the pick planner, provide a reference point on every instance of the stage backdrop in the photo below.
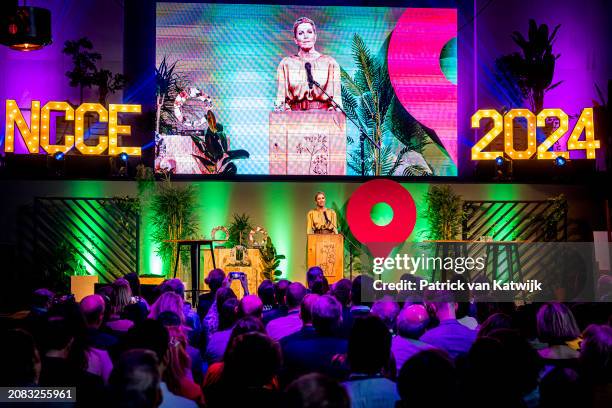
(398, 81)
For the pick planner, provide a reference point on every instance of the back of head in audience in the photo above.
(560, 388)
(313, 274)
(122, 296)
(280, 291)
(41, 298)
(250, 305)
(316, 390)
(134, 381)
(412, 321)
(422, 379)
(326, 315)
(222, 295)
(92, 307)
(169, 318)
(443, 302)
(168, 302)
(19, 359)
(596, 353)
(494, 322)
(386, 309)
(295, 293)
(556, 324)
(249, 351)
(341, 290)
(320, 286)
(362, 290)
(248, 324)
(265, 291)
(228, 313)
(306, 307)
(173, 285)
(214, 280)
(369, 346)
(149, 334)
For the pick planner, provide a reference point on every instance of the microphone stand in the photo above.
(363, 136)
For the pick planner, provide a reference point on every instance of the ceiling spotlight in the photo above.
(499, 161)
(124, 156)
(25, 28)
(59, 156)
(560, 161)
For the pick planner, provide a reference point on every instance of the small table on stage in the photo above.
(194, 249)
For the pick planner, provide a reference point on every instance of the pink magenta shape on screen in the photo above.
(417, 78)
(380, 240)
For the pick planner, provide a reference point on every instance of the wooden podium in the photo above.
(307, 143)
(327, 251)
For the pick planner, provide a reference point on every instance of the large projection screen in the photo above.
(234, 95)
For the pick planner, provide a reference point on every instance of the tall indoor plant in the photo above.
(173, 216)
(444, 213)
(532, 69)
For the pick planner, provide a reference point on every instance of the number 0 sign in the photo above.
(505, 124)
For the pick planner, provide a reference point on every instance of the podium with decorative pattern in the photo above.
(327, 252)
(308, 143)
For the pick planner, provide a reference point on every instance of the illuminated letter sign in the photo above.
(505, 124)
(37, 134)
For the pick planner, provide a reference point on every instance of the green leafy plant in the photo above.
(369, 100)
(270, 261)
(239, 230)
(213, 150)
(555, 215)
(532, 70)
(107, 82)
(168, 83)
(173, 217)
(444, 213)
(85, 73)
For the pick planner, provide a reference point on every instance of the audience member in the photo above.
(291, 323)
(211, 320)
(121, 297)
(428, 379)
(314, 350)
(250, 305)
(596, 364)
(320, 286)
(280, 293)
(242, 385)
(135, 381)
(411, 323)
(214, 280)
(138, 308)
(313, 274)
(494, 322)
(449, 335)
(93, 308)
(387, 310)
(369, 353)
(190, 316)
(219, 339)
(266, 293)
(19, 359)
(315, 391)
(557, 328)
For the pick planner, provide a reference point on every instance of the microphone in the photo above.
(309, 74)
(325, 215)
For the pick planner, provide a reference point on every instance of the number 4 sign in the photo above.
(505, 124)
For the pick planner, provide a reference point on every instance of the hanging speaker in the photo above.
(26, 28)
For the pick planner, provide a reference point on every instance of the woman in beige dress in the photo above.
(294, 92)
(321, 220)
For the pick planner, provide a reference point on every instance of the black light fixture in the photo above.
(25, 28)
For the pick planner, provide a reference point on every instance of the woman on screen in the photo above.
(294, 90)
(321, 220)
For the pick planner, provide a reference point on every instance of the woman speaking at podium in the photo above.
(322, 220)
(296, 74)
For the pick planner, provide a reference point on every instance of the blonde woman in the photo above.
(321, 220)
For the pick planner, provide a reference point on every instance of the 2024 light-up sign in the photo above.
(37, 135)
(505, 124)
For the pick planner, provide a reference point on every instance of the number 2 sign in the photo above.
(505, 124)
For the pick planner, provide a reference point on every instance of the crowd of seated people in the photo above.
(313, 345)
